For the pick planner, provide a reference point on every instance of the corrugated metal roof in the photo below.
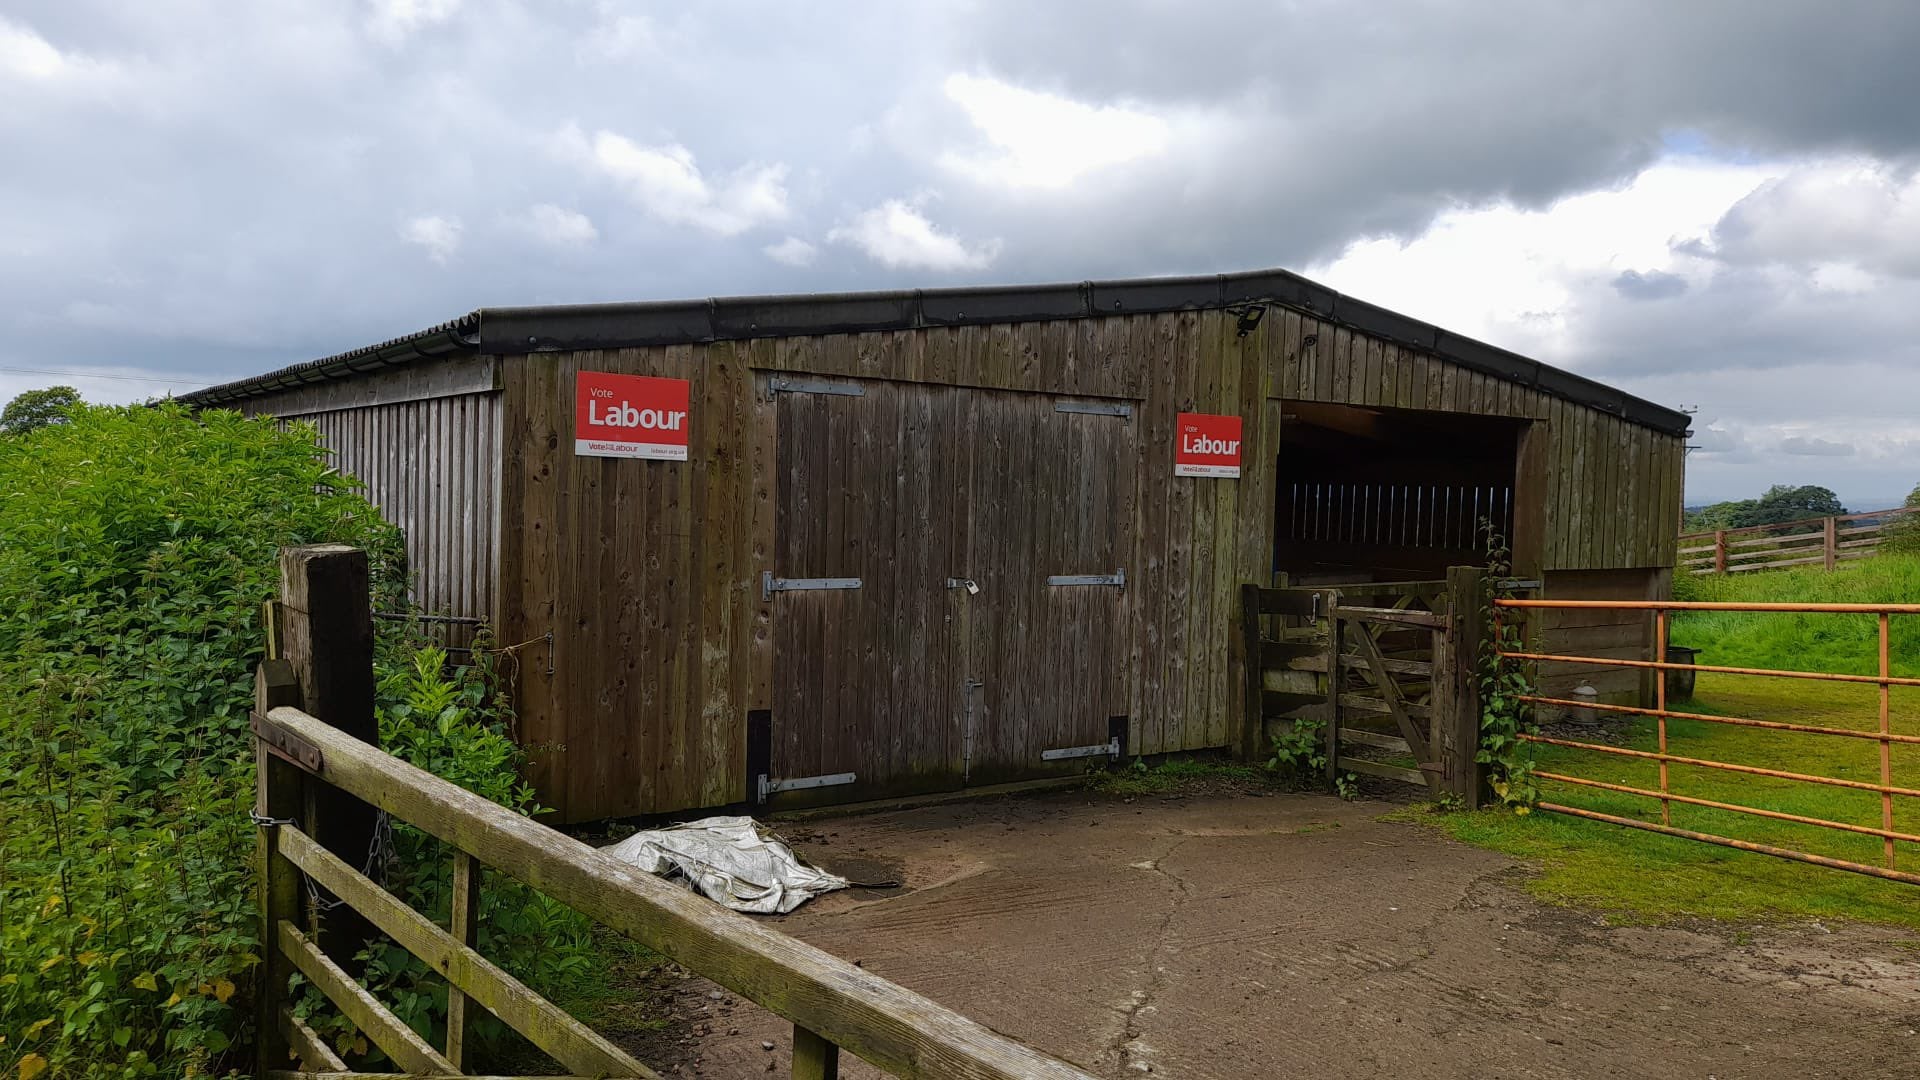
(510, 331)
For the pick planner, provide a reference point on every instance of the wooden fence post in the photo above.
(1336, 642)
(327, 638)
(276, 797)
(1459, 682)
(1254, 717)
(1831, 531)
(814, 1058)
(1719, 551)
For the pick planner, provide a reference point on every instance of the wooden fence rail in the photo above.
(1828, 541)
(831, 1003)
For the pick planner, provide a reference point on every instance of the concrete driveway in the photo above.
(1300, 936)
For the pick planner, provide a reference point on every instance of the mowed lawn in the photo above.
(1643, 874)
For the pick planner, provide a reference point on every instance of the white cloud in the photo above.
(665, 182)
(1828, 216)
(24, 54)
(897, 235)
(558, 226)
(792, 251)
(440, 236)
(1043, 140)
(393, 21)
(1513, 275)
(621, 36)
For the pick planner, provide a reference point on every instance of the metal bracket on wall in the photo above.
(1110, 748)
(798, 384)
(801, 783)
(770, 584)
(1117, 579)
(1089, 408)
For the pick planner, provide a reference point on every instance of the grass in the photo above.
(1647, 876)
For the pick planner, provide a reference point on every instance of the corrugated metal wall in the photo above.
(431, 468)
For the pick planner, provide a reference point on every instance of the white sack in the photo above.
(728, 859)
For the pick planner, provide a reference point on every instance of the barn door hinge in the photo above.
(796, 384)
(1108, 749)
(1117, 579)
(801, 783)
(1090, 408)
(770, 584)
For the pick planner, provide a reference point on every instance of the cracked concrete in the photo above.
(1301, 936)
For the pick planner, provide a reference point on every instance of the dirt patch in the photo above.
(1303, 936)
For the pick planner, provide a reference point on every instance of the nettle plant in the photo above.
(136, 546)
(1503, 685)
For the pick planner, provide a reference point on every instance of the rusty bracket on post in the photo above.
(286, 745)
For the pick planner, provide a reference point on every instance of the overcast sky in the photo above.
(1711, 204)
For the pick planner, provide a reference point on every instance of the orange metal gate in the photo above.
(1662, 612)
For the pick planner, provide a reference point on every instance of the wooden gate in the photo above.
(1386, 667)
(948, 587)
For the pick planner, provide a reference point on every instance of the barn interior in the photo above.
(1380, 494)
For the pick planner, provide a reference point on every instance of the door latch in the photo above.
(967, 583)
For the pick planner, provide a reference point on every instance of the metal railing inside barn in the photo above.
(1882, 733)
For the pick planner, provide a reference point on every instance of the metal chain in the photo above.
(379, 856)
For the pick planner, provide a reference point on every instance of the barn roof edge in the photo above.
(516, 330)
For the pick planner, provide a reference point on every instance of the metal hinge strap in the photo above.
(1110, 748)
(1117, 579)
(795, 384)
(770, 584)
(801, 783)
(1089, 408)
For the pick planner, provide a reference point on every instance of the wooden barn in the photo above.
(838, 547)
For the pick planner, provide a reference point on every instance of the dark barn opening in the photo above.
(1382, 494)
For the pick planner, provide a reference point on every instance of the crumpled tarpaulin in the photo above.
(730, 860)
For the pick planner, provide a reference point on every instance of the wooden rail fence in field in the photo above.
(1829, 541)
(314, 774)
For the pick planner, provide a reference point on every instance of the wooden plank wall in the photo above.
(431, 466)
(648, 572)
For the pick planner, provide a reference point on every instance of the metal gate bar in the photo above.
(1884, 680)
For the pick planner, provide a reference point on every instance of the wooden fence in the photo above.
(1387, 668)
(321, 784)
(1828, 541)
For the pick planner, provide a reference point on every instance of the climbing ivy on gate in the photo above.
(1504, 716)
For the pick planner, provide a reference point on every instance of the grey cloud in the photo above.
(238, 193)
(1652, 285)
(1809, 446)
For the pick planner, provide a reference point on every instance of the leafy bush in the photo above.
(450, 722)
(136, 545)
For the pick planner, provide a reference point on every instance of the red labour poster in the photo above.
(630, 416)
(1208, 445)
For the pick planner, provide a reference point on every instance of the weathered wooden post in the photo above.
(326, 636)
(276, 797)
(1831, 530)
(1456, 683)
(814, 1058)
(1253, 718)
(1719, 551)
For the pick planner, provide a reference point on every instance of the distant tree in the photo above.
(1903, 533)
(1784, 503)
(38, 408)
(1718, 515)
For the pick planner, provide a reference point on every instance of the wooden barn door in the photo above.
(1048, 544)
(868, 527)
